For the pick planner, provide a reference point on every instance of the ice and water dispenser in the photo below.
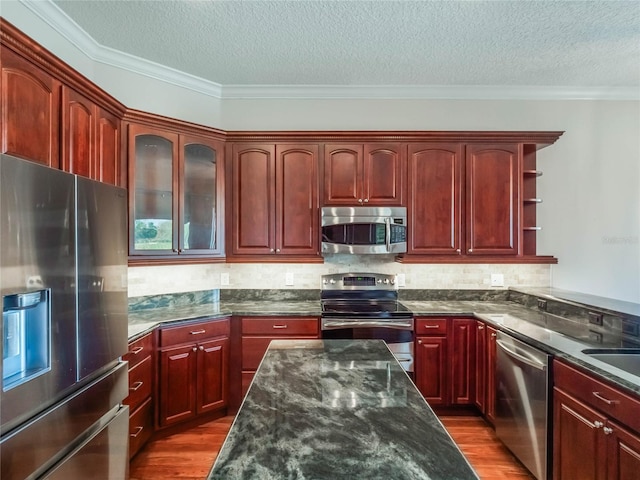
(26, 325)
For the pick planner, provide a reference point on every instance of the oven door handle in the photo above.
(333, 324)
(387, 235)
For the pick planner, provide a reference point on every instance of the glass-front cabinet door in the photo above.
(199, 184)
(153, 198)
(174, 194)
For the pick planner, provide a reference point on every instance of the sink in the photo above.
(627, 359)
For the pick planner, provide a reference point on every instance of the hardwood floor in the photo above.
(189, 455)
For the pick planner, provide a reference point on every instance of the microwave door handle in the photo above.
(387, 222)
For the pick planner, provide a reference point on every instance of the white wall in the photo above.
(591, 185)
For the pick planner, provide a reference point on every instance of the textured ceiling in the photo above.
(494, 43)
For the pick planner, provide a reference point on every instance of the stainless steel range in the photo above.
(366, 306)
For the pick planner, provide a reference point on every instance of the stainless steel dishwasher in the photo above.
(523, 408)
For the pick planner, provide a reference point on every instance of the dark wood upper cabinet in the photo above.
(79, 119)
(30, 110)
(175, 193)
(107, 155)
(274, 202)
(434, 206)
(493, 199)
(364, 174)
(253, 200)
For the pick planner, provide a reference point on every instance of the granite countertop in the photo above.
(556, 335)
(336, 409)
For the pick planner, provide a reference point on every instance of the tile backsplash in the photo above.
(155, 280)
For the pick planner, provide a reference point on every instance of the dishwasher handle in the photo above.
(532, 362)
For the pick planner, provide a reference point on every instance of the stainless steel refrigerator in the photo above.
(63, 271)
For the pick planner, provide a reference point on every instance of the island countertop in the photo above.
(336, 409)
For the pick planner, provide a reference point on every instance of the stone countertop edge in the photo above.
(512, 318)
(336, 409)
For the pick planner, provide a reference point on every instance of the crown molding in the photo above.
(433, 92)
(50, 13)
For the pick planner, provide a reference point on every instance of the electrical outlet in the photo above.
(595, 318)
(497, 280)
(288, 279)
(400, 280)
(542, 304)
(224, 279)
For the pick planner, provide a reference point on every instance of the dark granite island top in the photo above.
(336, 409)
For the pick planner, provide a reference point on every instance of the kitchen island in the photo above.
(336, 409)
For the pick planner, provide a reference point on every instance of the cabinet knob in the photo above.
(175, 250)
(480, 327)
(201, 348)
(470, 250)
(494, 334)
(272, 250)
(359, 200)
(419, 342)
(277, 250)
(607, 430)
(458, 250)
(194, 349)
(598, 424)
(366, 200)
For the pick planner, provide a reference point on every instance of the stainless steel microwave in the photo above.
(364, 230)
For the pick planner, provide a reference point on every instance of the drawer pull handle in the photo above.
(280, 326)
(480, 327)
(198, 332)
(605, 400)
(137, 432)
(431, 326)
(135, 386)
(136, 350)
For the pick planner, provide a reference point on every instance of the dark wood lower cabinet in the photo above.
(445, 360)
(193, 375)
(589, 442)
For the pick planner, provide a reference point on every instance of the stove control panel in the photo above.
(359, 281)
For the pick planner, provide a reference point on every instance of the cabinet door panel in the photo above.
(199, 172)
(212, 374)
(384, 171)
(30, 111)
(297, 220)
(153, 199)
(78, 120)
(493, 193)
(463, 343)
(177, 384)
(490, 411)
(435, 193)
(579, 449)
(109, 169)
(343, 174)
(253, 176)
(624, 454)
(431, 363)
(481, 367)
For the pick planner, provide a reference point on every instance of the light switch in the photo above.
(400, 279)
(497, 280)
(224, 278)
(288, 278)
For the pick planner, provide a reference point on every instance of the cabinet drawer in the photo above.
(140, 379)
(606, 398)
(279, 326)
(139, 350)
(140, 427)
(431, 326)
(193, 332)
